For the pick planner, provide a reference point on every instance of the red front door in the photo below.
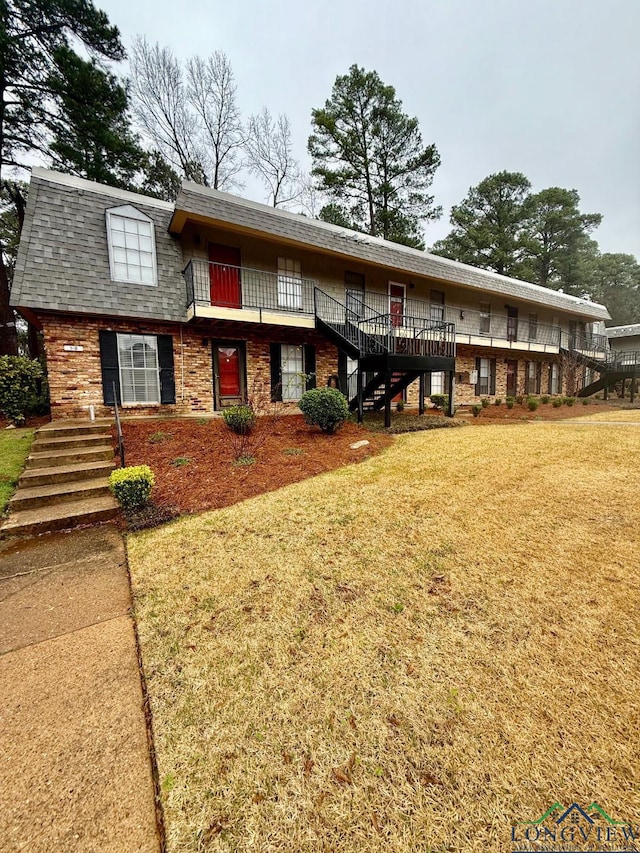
(396, 304)
(224, 276)
(229, 371)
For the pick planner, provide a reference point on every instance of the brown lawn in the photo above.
(410, 654)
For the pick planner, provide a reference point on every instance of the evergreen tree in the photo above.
(488, 224)
(558, 252)
(92, 136)
(369, 158)
(35, 41)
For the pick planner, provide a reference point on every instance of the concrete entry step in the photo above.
(56, 493)
(51, 458)
(64, 442)
(61, 428)
(65, 473)
(64, 516)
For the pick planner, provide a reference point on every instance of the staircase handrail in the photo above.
(118, 426)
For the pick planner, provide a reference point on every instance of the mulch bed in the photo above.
(545, 411)
(194, 461)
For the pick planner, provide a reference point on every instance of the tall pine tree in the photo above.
(36, 39)
(370, 160)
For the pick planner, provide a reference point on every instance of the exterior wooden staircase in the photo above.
(65, 483)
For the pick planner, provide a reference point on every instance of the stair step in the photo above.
(60, 517)
(51, 458)
(32, 497)
(44, 443)
(62, 428)
(65, 473)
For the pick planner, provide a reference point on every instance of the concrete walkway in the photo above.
(75, 774)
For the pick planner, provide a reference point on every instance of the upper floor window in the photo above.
(132, 250)
(289, 284)
(533, 327)
(485, 318)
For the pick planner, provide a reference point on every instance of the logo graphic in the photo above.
(575, 830)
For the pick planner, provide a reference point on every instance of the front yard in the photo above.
(410, 654)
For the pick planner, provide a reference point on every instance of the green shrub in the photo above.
(159, 437)
(569, 401)
(557, 402)
(510, 402)
(545, 399)
(20, 386)
(400, 406)
(520, 399)
(180, 461)
(324, 407)
(585, 401)
(497, 401)
(132, 486)
(484, 402)
(476, 409)
(532, 404)
(440, 401)
(240, 419)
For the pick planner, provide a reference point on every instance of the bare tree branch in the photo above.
(270, 157)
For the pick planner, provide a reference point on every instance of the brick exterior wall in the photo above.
(75, 377)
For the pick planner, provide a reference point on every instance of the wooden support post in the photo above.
(387, 400)
(359, 393)
(606, 391)
(632, 388)
(421, 393)
(451, 406)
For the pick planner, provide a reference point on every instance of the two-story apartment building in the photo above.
(182, 308)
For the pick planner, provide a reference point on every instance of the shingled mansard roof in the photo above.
(623, 331)
(63, 261)
(294, 227)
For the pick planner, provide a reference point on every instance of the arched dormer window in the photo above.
(132, 246)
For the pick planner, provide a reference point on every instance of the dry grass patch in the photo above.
(410, 654)
(615, 415)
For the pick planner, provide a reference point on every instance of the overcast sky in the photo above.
(550, 88)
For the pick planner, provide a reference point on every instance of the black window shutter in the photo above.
(165, 363)
(310, 365)
(478, 375)
(538, 377)
(276, 372)
(492, 374)
(427, 385)
(109, 366)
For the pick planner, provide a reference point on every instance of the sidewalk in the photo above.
(75, 775)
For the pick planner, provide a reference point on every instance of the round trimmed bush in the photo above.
(532, 403)
(241, 419)
(132, 486)
(476, 409)
(324, 407)
(557, 402)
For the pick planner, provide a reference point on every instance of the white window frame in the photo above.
(135, 338)
(485, 318)
(290, 284)
(555, 379)
(484, 376)
(437, 382)
(295, 379)
(437, 308)
(128, 213)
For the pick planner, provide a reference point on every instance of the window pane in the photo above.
(132, 248)
(139, 376)
(293, 380)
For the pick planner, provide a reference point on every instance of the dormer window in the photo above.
(132, 246)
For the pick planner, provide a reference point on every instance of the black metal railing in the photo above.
(468, 321)
(119, 434)
(593, 346)
(226, 286)
(387, 332)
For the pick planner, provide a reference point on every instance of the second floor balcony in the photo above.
(225, 292)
